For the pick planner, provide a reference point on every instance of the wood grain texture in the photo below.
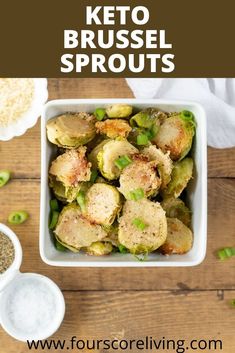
(212, 274)
(135, 315)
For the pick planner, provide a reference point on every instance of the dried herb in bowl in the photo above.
(7, 252)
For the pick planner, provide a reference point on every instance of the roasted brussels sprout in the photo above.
(74, 231)
(176, 135)
(179, 238)
(113, 128)
(92, 156)
(64, 193)
(180, 176)
(110, 152)
(99, 248)
(175, 208)
(140, 174)
(71, 167)
(102, 204)
(147, 118)
(146, 235)
(112, 234)
(164, 163)
(119, 111)
(71, 130)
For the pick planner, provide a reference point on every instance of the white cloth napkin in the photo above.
(217, 95)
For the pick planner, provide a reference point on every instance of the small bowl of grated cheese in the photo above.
(21, 101)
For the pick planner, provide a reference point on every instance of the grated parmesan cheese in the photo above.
(16, 95)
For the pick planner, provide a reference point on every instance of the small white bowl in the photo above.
(196, 191)
(10, 282)
(30, 118)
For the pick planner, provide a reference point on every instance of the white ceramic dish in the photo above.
(197, 190)
(30, 118)
(10, 282)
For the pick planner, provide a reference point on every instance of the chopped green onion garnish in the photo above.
(59, 246)
(232, 303)
(142, 139)
(123, 162)
(137, 194)
(94, 175)
(18, 217)
(54, 219)
(99, 113)
(226, 253)
(4, 177)
(139, 223)
(122, 249)
(81, 200)
(54, 205)
(187, 115)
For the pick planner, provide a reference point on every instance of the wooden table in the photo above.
(189, 303)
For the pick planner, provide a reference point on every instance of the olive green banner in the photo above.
(151, 38)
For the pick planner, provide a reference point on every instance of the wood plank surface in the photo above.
(24, 194)
(134, 315)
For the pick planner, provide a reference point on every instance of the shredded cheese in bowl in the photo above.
(16, 96)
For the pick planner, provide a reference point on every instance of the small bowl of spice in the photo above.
(21, 101)
(32, 306)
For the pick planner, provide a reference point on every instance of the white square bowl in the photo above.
(196, 194)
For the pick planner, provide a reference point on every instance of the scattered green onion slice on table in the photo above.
(4, 177)
(54, 219)
(139, 224)
(137, 194)
(54, 205)
(226, 253)
(142, 139)
(18, 217)
(232, 303)
(81, 200)
(122, 249)
(99, 113)
(94, 175)
(122, 162)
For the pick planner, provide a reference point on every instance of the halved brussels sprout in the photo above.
(102, 204)
(99, 248)
(137, 239)
(181, 174)
(74, 231)
(175, 208)
(165, 164)
(64, 193)
(147, 118)
(119, 111)
(179, 238)
(140, 174)
(92, 156)
(113, 128)
(111, 151)
(176, 135)
(71, 167)
(71, 130)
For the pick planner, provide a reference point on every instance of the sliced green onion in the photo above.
(4, 177)
(137, 194)
(187, 115)
(18, 217)
(99, 113)
(232, 303)
(123, 162)
(94, 175)
(142, 139)
(54, 205)
(81, 200)
(122, 249)
(59, 246)
(139, 224)
(54, 219)
(226, 253)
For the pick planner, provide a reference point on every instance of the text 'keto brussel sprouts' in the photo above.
(153, 235)
(181, 174)
(179, 238)
(176, 135)
(74, 231)
(71, 130)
